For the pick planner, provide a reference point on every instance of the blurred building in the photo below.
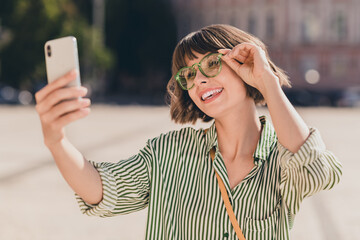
(316, 41)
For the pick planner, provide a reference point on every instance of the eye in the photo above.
(212, 63)
(189, 74)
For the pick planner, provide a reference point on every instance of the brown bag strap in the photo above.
(227, 203)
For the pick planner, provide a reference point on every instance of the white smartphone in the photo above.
(61, 56)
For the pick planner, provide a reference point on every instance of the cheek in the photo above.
(193, 96)
(234, 85)
(196, 100)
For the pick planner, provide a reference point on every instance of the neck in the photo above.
(238, 133)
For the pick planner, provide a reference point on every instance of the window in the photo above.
(270, 27)
(308, 62)
(252, 24)
(310, 27)
(339, 66)
(339, 27)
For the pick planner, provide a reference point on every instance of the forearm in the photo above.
(289, 126)
(82, 177)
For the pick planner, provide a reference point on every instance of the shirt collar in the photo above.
(267, 140)
(264, 147)
(211, 137)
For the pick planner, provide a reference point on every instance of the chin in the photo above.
(212, 114)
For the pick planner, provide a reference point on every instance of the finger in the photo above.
(71, 117)
(58, 83)
(253, 49)
(60, 95)
(224, 51)
(237, 51)
(65, 108)
(238, 58)
(233, 64)
(258, 55)
(226, 57)
(247, 49)
(243, 53)
(247, 45)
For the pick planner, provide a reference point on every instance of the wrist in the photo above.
(54, 145)
(269, 83)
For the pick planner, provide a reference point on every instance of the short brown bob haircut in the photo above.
(209, 39)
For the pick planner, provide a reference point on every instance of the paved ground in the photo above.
(36, 203)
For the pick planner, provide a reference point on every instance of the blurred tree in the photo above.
(31, 23)
(142, 34)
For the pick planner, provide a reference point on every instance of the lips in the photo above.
(210, 93)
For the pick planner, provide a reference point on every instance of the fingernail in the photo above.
(86, 110)
(85, 101)
(84, 89)
(73, 72)
(224, 50)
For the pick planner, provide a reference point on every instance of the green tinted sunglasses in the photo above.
(209, 66)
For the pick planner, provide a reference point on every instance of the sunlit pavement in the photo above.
(36, 203)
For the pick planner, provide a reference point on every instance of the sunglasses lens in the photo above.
(211, 65)
(186, 77)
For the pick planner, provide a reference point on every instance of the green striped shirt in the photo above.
(174, 176)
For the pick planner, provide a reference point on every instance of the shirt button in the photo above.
(226, 235)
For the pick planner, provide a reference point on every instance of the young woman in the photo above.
(220, 73)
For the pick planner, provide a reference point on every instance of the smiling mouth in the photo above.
(211, 94)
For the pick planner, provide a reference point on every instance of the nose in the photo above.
(200, 78)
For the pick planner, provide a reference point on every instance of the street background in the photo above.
(125, 47)
(125, 50)
(37, 203)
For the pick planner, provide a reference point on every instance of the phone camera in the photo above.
(48, 48)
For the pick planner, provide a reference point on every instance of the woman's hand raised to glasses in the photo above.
(58, 105)
(255, 66)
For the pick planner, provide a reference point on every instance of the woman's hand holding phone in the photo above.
(58, 105)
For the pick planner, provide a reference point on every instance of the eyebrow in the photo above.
(194, 59)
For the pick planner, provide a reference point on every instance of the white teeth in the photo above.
(210, 93)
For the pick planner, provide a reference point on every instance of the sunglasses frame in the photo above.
(177, 77)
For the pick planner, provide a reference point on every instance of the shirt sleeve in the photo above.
(126, 185)
(311, 169)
